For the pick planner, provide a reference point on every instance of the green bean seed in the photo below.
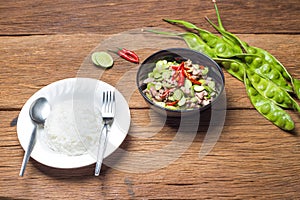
(268, 109)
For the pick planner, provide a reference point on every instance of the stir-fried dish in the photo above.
(180, 86)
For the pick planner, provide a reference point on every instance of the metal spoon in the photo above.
(39, 111)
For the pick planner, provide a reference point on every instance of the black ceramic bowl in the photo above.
(179, 54)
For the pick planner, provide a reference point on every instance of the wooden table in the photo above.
(46, 41)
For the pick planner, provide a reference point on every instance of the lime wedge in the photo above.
(102, 59)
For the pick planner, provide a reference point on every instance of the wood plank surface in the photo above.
(31, 62)
(110, 16)
(243, 164)
(45, 41)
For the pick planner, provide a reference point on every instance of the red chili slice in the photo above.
(172, 103)
(165, 94)
(189, 76)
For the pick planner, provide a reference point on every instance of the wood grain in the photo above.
(242, 164)
(31, 62)
(43, 42)
(111, 16)
(248, 162)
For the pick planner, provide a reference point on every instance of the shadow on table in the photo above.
(164, 140)
(174, 129)
(77, 174)
(191, 123)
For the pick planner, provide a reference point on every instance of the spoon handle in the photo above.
(29, 150)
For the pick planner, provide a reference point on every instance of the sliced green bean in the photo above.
(270, 90)
(268, 109)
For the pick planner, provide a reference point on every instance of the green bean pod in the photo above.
(233, 67)
(271, 59)
(191, 39)
(266, 70)
(296, 87)
(229, 36)
(268, 108)
(270, 90)
(223, 48)
(255, 50)
(196, 43)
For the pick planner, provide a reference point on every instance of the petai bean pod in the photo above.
(255, 50)
(271, 59)
(295, 83)
(270, 90)
(233, 67)
(296, 86)
(223, 48)
(192, 40)
(268, 109)
(266, 70)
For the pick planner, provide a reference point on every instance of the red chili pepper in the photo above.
(172, 103)
(175, 75)
(179, 67)
(181, 78)
(165, 94)
(175, 67)
(182, 73)
(179, 74)
(189, 76)
(127, 55)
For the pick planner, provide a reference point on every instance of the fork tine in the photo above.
(109, 99)
(113, 101)
(110, 102)
(103, 102)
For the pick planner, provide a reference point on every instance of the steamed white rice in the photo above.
(72, 127)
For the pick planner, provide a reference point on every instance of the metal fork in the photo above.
(108, 114)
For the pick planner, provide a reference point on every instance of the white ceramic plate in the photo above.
(86, 89)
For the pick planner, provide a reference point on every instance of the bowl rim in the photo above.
(221, 73)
